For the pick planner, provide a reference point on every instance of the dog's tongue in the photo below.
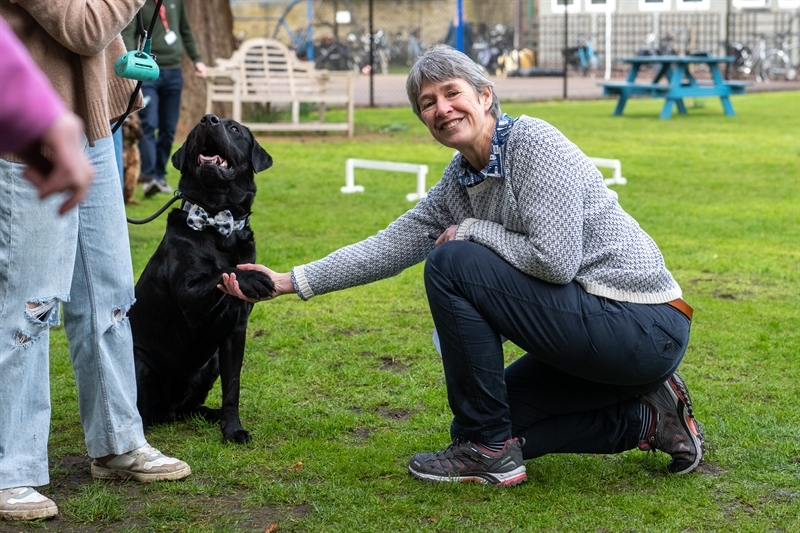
(213, 160)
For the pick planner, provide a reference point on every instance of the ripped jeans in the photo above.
(81, 261)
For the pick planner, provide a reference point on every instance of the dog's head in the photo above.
(132, 128)
(218, 153)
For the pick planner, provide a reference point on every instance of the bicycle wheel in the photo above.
(776, 66)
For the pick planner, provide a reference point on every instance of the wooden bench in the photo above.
(265, 71)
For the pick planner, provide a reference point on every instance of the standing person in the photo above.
(79, 262)
(171, 37)
(527, 244)
(32, 118)
(451, 39)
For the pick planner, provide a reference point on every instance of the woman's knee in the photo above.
(450, 257)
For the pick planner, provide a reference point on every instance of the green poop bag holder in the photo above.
(138, 64)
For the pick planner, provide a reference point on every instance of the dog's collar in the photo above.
(198, 219)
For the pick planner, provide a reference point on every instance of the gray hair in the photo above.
(440, 63)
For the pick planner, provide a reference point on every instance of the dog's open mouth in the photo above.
(212, 160)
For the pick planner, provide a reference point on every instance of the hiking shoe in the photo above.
(25, 503)
(468, 461)
(673, 429)
(156, 186)
(144, 464)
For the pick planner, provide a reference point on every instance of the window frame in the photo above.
(666, 5)
(689, 5)
(609, 7)
(556, 9)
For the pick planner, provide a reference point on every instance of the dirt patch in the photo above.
(394, 414)
(70, 474)
(392, 365)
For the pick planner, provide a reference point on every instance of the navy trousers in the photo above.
(588, 358)
(159, 120)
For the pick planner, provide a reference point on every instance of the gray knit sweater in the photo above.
(551, 216)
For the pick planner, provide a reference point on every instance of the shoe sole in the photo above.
(99, 472)
(508, 479)
(30, 514)
(680, 395)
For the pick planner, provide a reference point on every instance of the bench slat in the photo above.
(265, 71)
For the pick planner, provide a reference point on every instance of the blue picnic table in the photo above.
(674, 81)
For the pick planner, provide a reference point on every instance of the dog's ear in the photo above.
(178, 158)
(260, 158)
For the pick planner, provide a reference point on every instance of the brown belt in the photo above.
(682, 306)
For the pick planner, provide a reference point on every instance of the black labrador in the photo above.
(186, 332)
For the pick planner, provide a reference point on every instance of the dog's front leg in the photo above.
(231, 353)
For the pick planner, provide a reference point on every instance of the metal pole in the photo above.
(371, 59)
(566, 46)
(460, 27)
(727, 38)
(310, 29)
(608, 46)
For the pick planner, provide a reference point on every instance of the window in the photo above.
(745, 4)
(654, 5)
(558, 6)
(601, 6)
(693, 5)
(788, 4)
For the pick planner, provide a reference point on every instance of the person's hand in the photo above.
(66, 167)
(448, 235)
(283, 283)
(200, 69)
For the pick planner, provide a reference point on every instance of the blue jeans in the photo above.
(588, 358)
(82, 262)
(161, 113)
(118, 152)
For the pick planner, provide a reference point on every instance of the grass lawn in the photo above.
(340, 391)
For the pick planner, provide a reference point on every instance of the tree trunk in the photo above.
(212, 27)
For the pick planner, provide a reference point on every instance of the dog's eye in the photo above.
(233, 129)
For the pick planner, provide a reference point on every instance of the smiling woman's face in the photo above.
(456, 116)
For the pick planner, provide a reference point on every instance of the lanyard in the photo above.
(163, 13)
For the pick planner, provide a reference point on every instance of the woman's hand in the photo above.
(283, 283)
(448, 235)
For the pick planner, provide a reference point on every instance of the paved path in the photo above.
(390, 90)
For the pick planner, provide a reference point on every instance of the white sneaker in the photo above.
(144, 464)
(24, 503)
(155, 186)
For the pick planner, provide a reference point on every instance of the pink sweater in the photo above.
(28, 103)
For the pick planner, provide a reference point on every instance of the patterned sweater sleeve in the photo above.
(402, 244)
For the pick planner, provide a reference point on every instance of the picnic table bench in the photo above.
(674, 81)
(265, 71)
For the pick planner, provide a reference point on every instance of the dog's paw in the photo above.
(240, 436)
(255, 284)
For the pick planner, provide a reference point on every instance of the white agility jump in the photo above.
(616, 178)
(420, 170)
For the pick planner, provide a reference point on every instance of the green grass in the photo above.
(338, 392)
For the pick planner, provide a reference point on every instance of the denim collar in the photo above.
(468, 176)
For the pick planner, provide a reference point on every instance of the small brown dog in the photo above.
(131, 160)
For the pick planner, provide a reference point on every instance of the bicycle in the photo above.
(750, 61)
(582, 58)
(777, 64)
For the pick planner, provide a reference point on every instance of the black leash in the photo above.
(144, 35)
(175, 198)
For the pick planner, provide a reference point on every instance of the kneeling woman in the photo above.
(530, 246)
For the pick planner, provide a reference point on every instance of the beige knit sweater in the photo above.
(75, 43)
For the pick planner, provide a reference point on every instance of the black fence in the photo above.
(566, 53)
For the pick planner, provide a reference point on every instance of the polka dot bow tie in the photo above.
(223, 222)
